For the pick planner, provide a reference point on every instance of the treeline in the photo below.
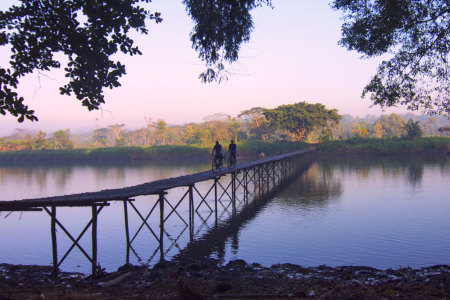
(388, 126)
(297, 122)
(25, 139)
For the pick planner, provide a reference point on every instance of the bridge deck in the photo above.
(150, 188)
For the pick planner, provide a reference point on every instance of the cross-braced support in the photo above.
(75, 242)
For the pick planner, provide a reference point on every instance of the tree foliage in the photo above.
(38, 29)
(417, 34)
(360, 131)
(413, 130)
(302, 118)
(221, 26)
(259, 127)
(378, 130)
(392, 124)
(61, 139)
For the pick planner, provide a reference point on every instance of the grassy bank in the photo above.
(149, 152)
(385, 146)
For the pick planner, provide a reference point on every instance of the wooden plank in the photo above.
(23, 209)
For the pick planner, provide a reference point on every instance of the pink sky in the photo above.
(293, 56)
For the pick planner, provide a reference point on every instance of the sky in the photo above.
(293, 56)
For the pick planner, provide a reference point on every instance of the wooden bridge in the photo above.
(260, 176)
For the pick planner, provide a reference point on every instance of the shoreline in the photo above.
(204, 279)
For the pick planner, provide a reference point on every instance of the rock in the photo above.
(126, 267)
(236, 263)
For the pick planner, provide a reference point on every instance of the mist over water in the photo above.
(378, 211)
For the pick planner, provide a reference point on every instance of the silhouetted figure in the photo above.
(218, 150)
(232, 149)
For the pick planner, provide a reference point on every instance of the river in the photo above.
(377, 211)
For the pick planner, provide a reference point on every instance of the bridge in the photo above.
(248, 179)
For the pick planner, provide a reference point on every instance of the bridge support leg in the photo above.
(191, 211)
(245, 179)
(54, 244)
(259, 179)
(233, 187)
(94, 241)
(215, 196)
(274, 170)
(161, 226)
(127, 232)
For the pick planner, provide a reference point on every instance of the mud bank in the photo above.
(237, 280)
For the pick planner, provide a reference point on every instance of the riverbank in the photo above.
(251, 148)
(148, 152)
(385, 146)
(237, 280)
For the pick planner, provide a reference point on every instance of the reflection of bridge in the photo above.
(259, 178)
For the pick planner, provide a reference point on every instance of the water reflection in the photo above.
(409, 167)
(314, 188)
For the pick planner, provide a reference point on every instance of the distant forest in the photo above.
(250, 125)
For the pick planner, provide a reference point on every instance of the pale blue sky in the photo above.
(293, 56)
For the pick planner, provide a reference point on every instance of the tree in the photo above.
(257, 123)
(151, 129)
(392, 124)
(234, 128)
(40, 142)
(61, 139)
(216, 124)
(413, 130)
(416, 32)
(302, 118)
(117, 139)
(201, 136)
(101, 136)
(161, 131)
(378, 130)
(428, 126)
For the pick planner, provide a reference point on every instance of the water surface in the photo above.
(377, 211)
